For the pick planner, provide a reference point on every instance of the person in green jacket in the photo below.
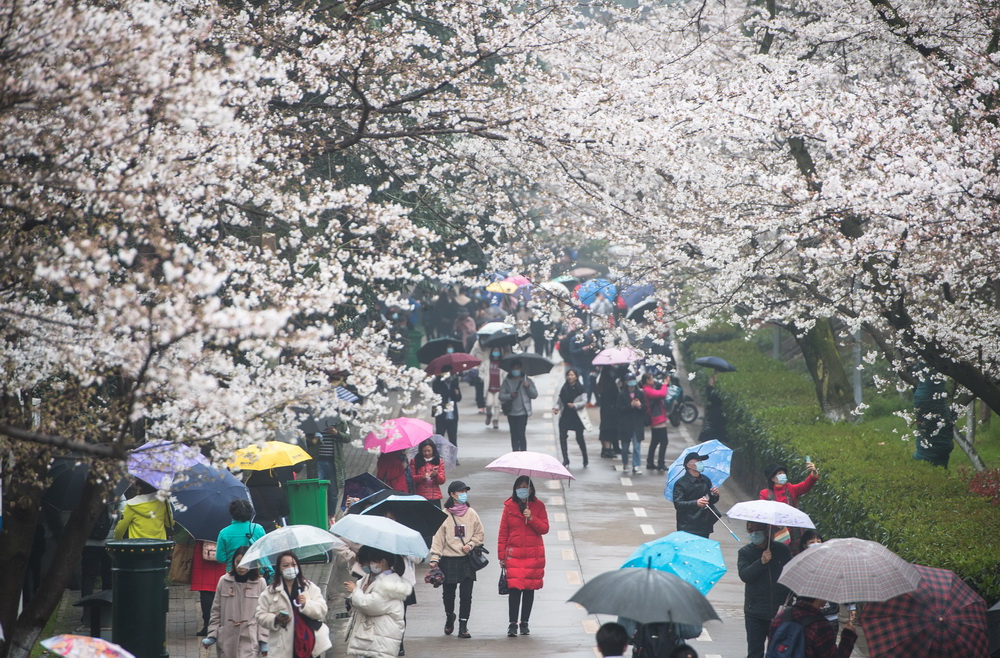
(241, 531)
(145, 515)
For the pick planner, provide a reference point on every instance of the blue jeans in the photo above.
(636, 449)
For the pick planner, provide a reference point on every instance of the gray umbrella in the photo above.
(646, 595)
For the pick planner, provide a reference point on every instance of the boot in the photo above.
(489, 415)
(565, 452)
(463, 628)
(449, 623)
(512, 629)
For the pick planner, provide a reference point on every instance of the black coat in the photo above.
(569, 417)
(690, 517)
(631, 419)
(762, 594)
(449, 395)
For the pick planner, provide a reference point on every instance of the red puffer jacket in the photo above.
(428, 488)
(520, 544)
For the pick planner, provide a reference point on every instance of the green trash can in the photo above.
(140, 595)
(307, 502)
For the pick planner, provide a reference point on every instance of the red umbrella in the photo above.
(459, 362)
(942, 617)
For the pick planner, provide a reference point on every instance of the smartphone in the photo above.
(460, 531)
(808, 459)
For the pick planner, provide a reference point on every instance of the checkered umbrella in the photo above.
(849, 570)
(942, 617)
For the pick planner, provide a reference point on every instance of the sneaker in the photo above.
(524, 628)
(512, 629)
(482, 410)
(496, 424)
(636, 471)
(203, 632)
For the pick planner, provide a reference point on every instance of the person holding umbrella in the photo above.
(607, 395)
(570, 401)
(521, 551)
(428, 472)
(820, 638)
(695, 498)
(288, 601)
(518, 390)
(783, 491)
(446, 418)
(233, 623)
(656, 401)
(378, 613)
(393, 468)
(631, 422)
(490, 374)
(145, 515)
(450, 549)
(759, 564)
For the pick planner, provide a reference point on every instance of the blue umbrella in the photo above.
(717, 466)
(694, 559)
(636, 292)
(588, 291)
(715, 362)
(200, 498)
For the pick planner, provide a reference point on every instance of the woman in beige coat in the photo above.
(289, 597)
(232, 626)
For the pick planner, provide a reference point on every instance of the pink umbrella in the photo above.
(399, 434)
(616, 356)
(518, 280)
(532, 464)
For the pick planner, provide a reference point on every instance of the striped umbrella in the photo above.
(942, 617)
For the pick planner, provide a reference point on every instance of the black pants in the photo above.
(207, 598)
(447, 427)
(563, 435)
(480, 388)
(757, 629)
(464, 598)
(523, 599)
(94, 562)
(658, 439)
(518, 432)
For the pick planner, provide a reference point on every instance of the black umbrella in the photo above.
(716, 362)
(411, 510)
(432, 349)
(638, 312)
(532, 364)
(68, 475)
(361, 486)
(502, 338)
(646, 595)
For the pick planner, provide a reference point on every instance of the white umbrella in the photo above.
(303, 540)
(491, 328)
(532, 464)
(381, 533)
(770, 512)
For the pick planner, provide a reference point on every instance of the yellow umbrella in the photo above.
(274, 454)
(505, 287)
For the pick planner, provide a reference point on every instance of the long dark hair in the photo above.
(531, 491)
(276, 583)
(419, 461)
(367, 554)
(238, 554)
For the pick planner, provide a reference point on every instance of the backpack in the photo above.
(102, 525)
(654, 640)
(789, 639)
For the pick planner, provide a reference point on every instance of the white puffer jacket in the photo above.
(281, 643)
(377, 625)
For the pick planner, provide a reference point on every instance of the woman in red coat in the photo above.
(428, 472)
(393, 468)
(783, 491)
(520, 549)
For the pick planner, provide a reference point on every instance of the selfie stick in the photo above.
(709, 508)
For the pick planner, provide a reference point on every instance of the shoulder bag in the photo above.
(508, 406)
(477, 559)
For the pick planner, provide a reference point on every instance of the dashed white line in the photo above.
(639, 511)
(631, 495)
(647, 529)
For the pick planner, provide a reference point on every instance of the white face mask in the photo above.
(289, 573)
(374, 570)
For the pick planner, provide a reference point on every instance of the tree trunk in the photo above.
(833, 386)
(967, 440)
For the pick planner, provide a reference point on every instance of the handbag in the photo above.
(477, 559)
(502, 588)
(208, 551)
(508, 406)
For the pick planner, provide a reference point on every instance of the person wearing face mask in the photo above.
(830, 610)
(631, 422)
(570, 402)
(783, 491)
(521, 551)
(291, 600)
(695, 498)
(519, 390)
(454, 540)
(492, 376)
(232, 624)
(759, 565)
(428, 472)
(377, 610)
(446, 411)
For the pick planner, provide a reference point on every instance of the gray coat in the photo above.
(524, 394)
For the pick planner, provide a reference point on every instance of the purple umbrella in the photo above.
(157, 461)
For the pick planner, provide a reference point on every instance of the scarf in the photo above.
(459, 509)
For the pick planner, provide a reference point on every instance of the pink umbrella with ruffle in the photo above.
(532, 464)
(616, 356)
(399, 434)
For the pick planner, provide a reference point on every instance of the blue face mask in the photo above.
(451, 349)
(631, 382)
(366, 568)
(782, 478)
(700, 467)
(496, 355)
(757, 537)
(515, 373)
(463, 497)
(522, 493)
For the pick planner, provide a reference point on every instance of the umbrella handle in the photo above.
(709, 508)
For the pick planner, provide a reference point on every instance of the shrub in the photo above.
(871, 486)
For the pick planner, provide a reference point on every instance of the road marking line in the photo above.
(590, 626)
(568, 554)
(547, 415)
(631, 495)
(557, 500)
(553, 484)
(704, 637)
(573, 578)
(626, 482)
(559, 517)
(639, 511)
(647, 529)
(564, 535)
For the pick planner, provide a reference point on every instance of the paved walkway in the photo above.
(596, 521)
